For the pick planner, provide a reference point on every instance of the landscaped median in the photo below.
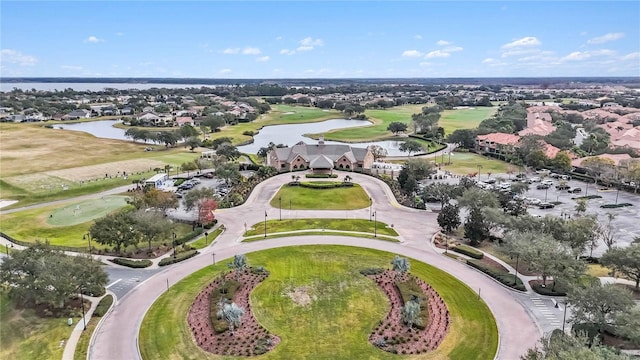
(346, 227)
(321, 195)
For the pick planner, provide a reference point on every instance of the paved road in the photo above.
(116, 337)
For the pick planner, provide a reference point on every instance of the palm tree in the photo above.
(231, 313)
(411, 313)
(400, 265)
(239, 263)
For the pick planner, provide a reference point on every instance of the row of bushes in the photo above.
(136, 264)
(321, 176)
(614, 206)
(103, 306)
(189, 236)
(505, 278)
(321, 184)
(541, 289)
(410, 290)
(469, 251)
(587, 197)
(225, 291)
(179, 257)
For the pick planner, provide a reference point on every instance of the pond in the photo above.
(278, 134)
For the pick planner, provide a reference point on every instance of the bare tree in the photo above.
(607, 232)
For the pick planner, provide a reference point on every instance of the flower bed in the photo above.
(393, 335)
(250, 338)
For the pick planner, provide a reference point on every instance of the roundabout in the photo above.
(125, 332)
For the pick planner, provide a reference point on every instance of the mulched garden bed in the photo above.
(249, 339)
(393, 335)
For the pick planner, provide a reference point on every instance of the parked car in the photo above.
(546, 205)
(208, 175)
(490, 181)
(547, 182)
(543, 172)
(534, 179)
(542, 186)
(563, 187)
(575, 190)
(533, 201)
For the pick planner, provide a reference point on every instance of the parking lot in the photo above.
(626, 224)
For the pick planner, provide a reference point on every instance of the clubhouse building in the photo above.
(320, 158)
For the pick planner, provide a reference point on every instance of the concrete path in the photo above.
(72, 342)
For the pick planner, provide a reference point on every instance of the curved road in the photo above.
(116, 337)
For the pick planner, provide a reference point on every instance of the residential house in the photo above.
(77, 114)
(497, 144)
(320, 158)
(183, 120)
(538, 123)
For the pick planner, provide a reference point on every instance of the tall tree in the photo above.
(598, 167)
(206, 207)
(378, 152)
(42, 275)
(561, 346)
(193, 198)
(599, 304)
(607, 231)
(411, 146)
(229, 151)
(397, 127)
(624, 260)
(228, 172)
(449, 218)
(151, 225)
(117, 230)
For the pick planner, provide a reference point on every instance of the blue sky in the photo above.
(327, 39)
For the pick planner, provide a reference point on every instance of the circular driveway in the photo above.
(116, 337)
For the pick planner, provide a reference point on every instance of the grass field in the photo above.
(359, 225)
(467, 163)
(452, 120)
(378, 130)
(301, 198)
(346, 306)
(34, 224)
(322, 233)
(80, 212)
(24, 335)
(205, 241)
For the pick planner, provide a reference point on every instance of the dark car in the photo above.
(546, 206)
(563, 187)
(542, 186)
(575, 190)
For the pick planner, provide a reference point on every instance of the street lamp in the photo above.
(479, 167)
(515, 277)
(265, 223)
(206, 237)
(280, 199)
(174, 245)
(370, 204)
(214, 257)
(375, 225)
(564, 317)
(84, 322)
(545, 194)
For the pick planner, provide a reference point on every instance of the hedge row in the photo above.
(321, 176)
(505, 278)
(614, 206)
(410, 289)
(226, 291)
(179, 257)
(547, 290)
(587, 197)
(321, 184)
(469, 251)
(136, 264)
(189, 236)
(103, 306)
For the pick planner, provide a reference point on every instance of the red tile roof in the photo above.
(500, 138)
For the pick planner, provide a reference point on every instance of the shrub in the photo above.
(587, 197)
(225, 291)
(614, 206)
(136, 264)
(371, 271)
(322, 184)
(186, 237)
(505, 278)
(321, 176)
(411, 290)
(469, 251)
(549, 290)
(179, 257)
(248, 133)
(103, 306)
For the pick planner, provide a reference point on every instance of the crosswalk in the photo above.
(549, 312)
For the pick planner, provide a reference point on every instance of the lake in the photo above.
(278, 134)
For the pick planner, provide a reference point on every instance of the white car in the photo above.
(534, 201)
(534, 179)
(547, 182)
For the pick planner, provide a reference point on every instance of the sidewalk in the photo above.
(72, 342)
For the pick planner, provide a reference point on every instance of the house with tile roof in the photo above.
(497, 144)
(320, 157)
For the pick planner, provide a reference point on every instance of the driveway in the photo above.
(117, 335)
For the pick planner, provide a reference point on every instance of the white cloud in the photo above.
(443, 43)
(583, 55)
(411, 53)
(437, 54)
(304, 48)
(251, 51)
(287, 52)
(488, 60)
(425, 64)
(527, 41)
(231, 51)
(309, 41)
(119, 33)
(93, 39)
(631, 56)
(583, 33)
(605, 38)
(263, 58)
(278, 37)
(224, 71)
(12, 56)
(417, 37)
(451, 49)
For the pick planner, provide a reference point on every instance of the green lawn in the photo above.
(34, 224)
(452, 120)
(346, 306)
(322, 233)
(360, 225)
(24, 335)
(467, 163)
(378, 130)
(301, 198)
(205, 241)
